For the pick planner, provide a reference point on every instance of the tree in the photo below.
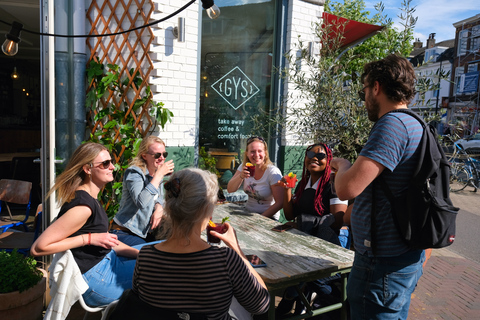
(324, 105)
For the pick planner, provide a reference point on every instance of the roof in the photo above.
(419, 53)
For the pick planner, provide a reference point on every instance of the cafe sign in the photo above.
(235, 88)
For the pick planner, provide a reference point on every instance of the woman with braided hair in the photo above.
(314, 204)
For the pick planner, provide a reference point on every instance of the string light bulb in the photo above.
(15, 74)
(213, 12)
(10, 46)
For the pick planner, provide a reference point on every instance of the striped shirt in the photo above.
(199, 282)
(392, 143)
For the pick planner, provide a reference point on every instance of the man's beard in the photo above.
(373, 109)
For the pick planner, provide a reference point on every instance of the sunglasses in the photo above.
(251, 139)
(159, 154)
(361, 93)
(319, 156)
(104, 164)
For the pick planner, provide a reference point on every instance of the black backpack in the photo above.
(424, 214)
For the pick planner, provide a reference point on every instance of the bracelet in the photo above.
(83, 240)
(89, 238)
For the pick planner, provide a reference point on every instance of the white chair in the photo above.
(105, 309)
(66, 287)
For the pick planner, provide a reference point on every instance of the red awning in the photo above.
(354, 32)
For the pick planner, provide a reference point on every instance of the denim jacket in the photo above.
(138, 201)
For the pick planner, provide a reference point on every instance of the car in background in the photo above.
(471, 143)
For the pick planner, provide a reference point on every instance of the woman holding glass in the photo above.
(265, 196)
(141, 206)
(185, 265)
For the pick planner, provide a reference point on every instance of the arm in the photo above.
(351, 180)
(124, 250)
(338, 211)
(236, 180)
(56, 237)
(278, 195)
(156, 216)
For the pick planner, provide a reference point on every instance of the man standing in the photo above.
(385, 272)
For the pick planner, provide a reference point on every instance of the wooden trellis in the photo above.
(128, 51)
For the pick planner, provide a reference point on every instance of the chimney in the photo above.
(417, 43)
(431, 41)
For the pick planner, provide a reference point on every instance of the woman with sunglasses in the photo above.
(105, 263)
(141, 206)
(265, 196)
(315, 205)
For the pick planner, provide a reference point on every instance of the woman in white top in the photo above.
(265, 196)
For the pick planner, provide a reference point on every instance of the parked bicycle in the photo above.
(464, 170)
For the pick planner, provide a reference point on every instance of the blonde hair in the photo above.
(267, 162)
(73, 175)
(138, 160)
(190, 197)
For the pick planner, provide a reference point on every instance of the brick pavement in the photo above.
(448, 289)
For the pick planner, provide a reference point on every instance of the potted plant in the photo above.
(22, 287)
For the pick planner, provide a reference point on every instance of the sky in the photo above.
(434, 16)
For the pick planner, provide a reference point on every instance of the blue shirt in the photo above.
(392, 143)
(138, 201)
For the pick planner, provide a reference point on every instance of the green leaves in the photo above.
(18, 272)
(120, 122)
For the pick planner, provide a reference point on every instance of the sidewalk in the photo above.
(448, 289)
(450, 285)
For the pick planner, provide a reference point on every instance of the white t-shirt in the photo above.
(260, 196)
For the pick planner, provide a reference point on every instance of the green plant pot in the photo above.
(26, 305)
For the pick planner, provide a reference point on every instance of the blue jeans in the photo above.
(380, 288)
(127, 238)
(109, 278)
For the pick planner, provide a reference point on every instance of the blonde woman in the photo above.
(82, 227)
(185, 265)
(141, 206)
(265, 196)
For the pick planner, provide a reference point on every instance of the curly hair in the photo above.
(324, 179)
(396, 76)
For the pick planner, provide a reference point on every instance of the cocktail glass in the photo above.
(219, 227)
(251, 168)
(290, 180)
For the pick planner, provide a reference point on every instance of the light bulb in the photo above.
(15, 74)
(213, 12)
(10, 46)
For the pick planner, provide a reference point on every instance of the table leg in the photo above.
(343, 297)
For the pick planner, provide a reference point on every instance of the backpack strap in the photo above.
(383, 184)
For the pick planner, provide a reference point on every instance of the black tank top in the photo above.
(88, 256)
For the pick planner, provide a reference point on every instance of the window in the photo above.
(458, 74)
(462, 42)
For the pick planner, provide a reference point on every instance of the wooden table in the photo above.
(7, 157)
(292, 257)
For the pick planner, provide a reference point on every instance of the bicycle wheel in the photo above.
(459, 177)
(475, 178)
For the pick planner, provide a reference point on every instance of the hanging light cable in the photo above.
(10, 46)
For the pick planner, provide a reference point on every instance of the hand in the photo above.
(156, 217)
(282, 183)
(165, 169)
(104, 240)
(338, 163)
(245, 173)
(229, 237)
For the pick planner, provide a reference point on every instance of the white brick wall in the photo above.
(174, 80)
(300, 18)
